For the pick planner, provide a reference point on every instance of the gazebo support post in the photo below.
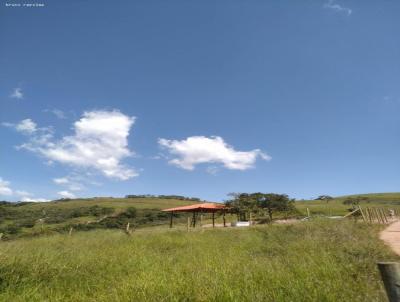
(213, 218)
(170, 219)
(194, 219)
(223, 217)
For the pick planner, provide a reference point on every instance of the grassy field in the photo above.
(25, 219)
(34, 219)
(308, 261)
(336, 206)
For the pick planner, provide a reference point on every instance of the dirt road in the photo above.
(391, 236)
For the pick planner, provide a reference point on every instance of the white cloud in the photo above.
(61, 181)
(200, 149)
(29, 199)
(5, 189)
(17, 93)
(338, 8)
(99, 142)
(71, 182)
(57, 112)
(26, 126)
(66, 194)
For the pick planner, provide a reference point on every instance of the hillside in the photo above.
(21, 219)
(27, 219)
(335, 206)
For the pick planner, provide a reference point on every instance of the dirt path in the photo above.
(391, 236)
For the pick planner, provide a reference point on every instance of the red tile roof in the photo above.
(198, 207)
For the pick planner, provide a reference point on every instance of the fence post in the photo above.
(362, 214)
(390, 273)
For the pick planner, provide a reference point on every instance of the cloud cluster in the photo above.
(99, 145)
(17, 93)
(338, 8)
(66, 194)
(99, 142)
(72, 183)
(26, 126)
(5, 189)
(196, 150)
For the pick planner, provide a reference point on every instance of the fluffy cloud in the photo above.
(17, 94)
(200, 149)
(26, 126)
(337, 8)
(99, 142)
(71, 182)
(5, 189)
(61, 181)
(66, 194)
(29, 199)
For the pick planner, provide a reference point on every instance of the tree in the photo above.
(327, 198)
(242, 203)
(353, 201)
(275, 202)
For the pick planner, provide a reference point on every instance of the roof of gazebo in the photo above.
(198, 207)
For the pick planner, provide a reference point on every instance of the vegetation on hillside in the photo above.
(343, 204)
(31, 219)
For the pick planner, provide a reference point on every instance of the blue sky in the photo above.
(199, 98)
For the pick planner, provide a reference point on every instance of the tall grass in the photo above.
(310, 261)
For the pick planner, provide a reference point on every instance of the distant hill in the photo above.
(34, 218)
(335, 206)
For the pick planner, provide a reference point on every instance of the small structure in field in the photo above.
(196, 209)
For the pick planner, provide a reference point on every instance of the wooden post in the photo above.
(390, 273)
(308, 212)
(223, 218)
(362, 214)
(384, 215)
(377, 215)
(213, 219)
(368, 215)
(70, 231)
(371, 210)
(171, 219)
(188, 223)
(194, 219)
(371, 218)
(201, 219)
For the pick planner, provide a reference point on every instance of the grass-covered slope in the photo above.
(308, 261)
(336, 206)
(57, 216)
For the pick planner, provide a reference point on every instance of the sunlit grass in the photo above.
(309, 261)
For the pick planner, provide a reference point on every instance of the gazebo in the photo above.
(198, 208)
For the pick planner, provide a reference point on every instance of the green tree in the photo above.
(275, 203)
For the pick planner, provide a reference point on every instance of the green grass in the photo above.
(15, 215)
(336, 206)
(308, 261)
(116, 203)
